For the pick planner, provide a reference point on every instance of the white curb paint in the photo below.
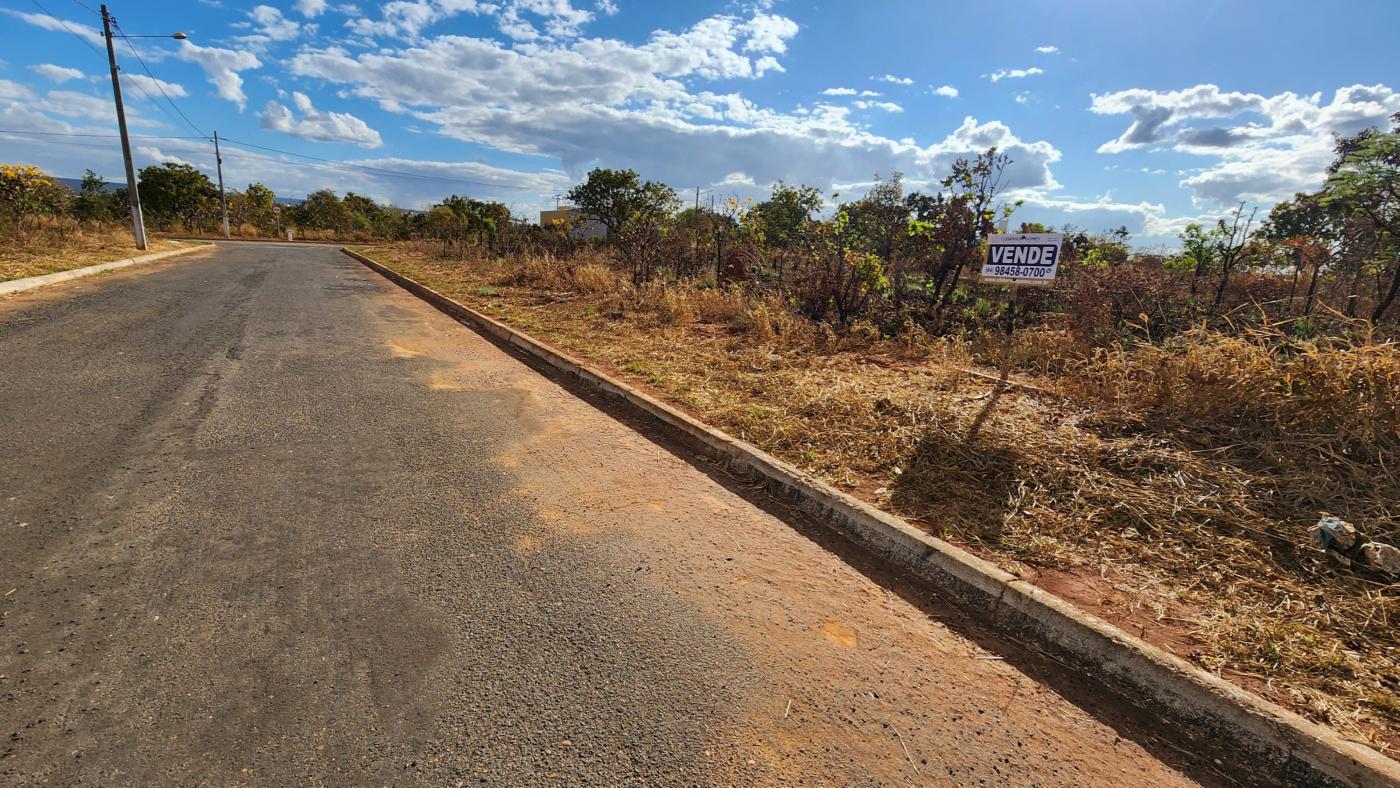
(29, 283)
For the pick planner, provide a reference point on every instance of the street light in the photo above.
(138, 223)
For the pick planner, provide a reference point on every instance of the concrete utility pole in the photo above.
(223, 198)
(138, 224)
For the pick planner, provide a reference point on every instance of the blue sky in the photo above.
(1148, 114)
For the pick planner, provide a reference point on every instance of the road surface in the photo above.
(265, 518)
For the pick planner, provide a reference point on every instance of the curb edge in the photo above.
(1297, 750)
(32, 282)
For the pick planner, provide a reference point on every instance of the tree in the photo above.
(480, 221)
(948, 229)
(1229, 246)
(1198, 251)
(323, 210)
(781, 218)
(258, 208)
(1311, 232)
(1365, 178)
(840, 277)
(180, 193)
(25, 193)
(634, 213)
(93, 203)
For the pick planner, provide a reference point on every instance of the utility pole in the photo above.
(223, 198)
(138, 224)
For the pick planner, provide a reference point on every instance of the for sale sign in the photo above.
(1022, 259)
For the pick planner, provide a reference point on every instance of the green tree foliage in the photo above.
(781, 219)
(1365, 179)
(93, 202)
(1310, 231)
(636, 214)
(180, 194)
(947, 230)
(323, 210)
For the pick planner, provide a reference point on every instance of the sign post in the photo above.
(1020, 259)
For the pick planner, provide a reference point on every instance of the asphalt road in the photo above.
(265, 518)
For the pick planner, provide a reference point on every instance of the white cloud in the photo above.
(65, 26)
(152, 86)
(894, 80)
(1048, 49)
(59, 74)
(272, 26)
(607, 7)
(1015, 73)
(222, 67)
(767, 33)
(99, 109)
(947, 91)
(839, 92)
(317, 125)
(1284, 146)
(517, 19)
(595, 101)
(888, 106)
(13, 91)
(311, 8)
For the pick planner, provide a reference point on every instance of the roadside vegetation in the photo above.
(1173, 426)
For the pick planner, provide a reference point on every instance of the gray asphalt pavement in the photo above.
(266, 519)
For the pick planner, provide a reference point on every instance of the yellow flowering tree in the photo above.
(25, 192)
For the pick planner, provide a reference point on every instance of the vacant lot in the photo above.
(64, 244)
(1167, 487)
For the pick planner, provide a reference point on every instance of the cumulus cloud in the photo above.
(595, 101)
(317, 125)
(894, 80)
(1015, 73)
(767, 33)
(100, 109)
(947, 91)
(311, 8)
(13, 91)
(65, 26)
(839, 92)
(269, 25)
(222, 67)
(1048, 49)
(59, 74)
(151, 86)
(520, 20)
(887, 106)
(1267, 148)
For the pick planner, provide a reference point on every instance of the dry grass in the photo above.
(62, 244)
(1176, 482)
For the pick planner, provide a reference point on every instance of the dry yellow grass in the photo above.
(1173, 486)
(63, 244)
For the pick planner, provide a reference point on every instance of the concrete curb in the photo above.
(1280, 745)
(29, 283)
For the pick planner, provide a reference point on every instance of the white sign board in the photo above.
(1022, 259)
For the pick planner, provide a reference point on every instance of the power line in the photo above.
(156, 81)
(101, 136)
(87, 7)
(382, 171)
(86, 42)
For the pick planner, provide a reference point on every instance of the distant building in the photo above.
(586, 229)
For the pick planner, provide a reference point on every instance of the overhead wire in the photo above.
(64, 24)
(102, 136)
(383, 171)
(156, 81)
